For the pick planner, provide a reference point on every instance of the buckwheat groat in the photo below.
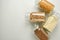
(41, 34)
(50, 23)
(46, 6)
(37, 17)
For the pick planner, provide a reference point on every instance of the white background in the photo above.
(13, 24)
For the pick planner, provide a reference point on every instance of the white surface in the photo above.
(13, 25)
